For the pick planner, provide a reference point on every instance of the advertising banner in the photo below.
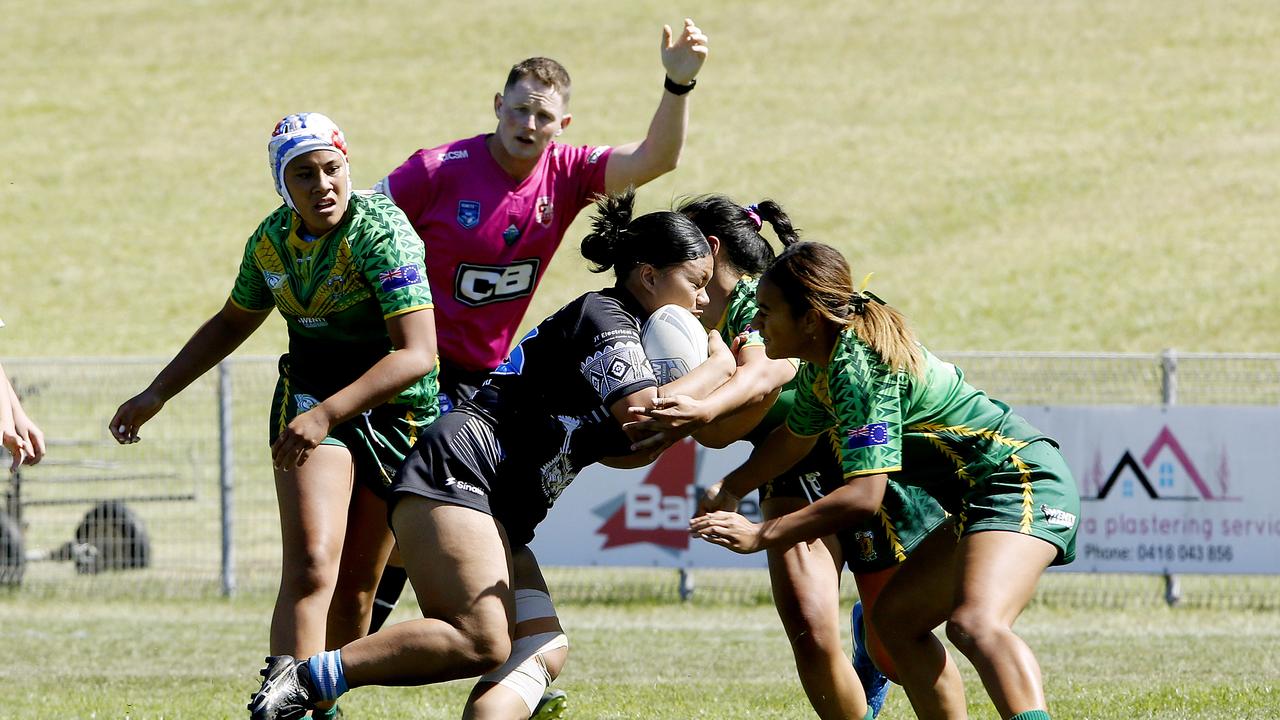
(1183, 489)
(641, 517)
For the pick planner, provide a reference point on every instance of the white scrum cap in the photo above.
(297, 135)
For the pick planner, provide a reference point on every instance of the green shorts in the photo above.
(1032, 493)
(378, 439)
(906, 515)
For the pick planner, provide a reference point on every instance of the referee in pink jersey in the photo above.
(492, 210)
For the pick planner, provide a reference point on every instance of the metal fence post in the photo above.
(226, 483)
(1169, 396)
(1169, 376)
(686, 584)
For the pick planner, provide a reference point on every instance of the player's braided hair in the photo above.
(621, 241)
(738, 228)
(815, 276)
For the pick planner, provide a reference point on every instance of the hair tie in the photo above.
(755, 216)
(860, 297)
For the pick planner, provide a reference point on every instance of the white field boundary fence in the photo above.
(1172, 452)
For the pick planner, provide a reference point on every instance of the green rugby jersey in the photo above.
(937, 431)
(739, 311)
(336, 292)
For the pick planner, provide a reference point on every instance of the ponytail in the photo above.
(772, 213)
(621, 241)
(605, 244)
(739, 227)
(885, 330)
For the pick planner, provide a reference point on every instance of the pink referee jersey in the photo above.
(489, 237)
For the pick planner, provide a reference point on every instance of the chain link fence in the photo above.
(190, 510)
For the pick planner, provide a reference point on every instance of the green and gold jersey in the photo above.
(739, 310)
(935, 431)
(336, 292)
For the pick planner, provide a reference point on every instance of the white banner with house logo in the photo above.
(1187, 489)
(1178, 489)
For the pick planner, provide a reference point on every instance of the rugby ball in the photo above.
(674, 341)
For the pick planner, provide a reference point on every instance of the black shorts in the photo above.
(378, 439)
(458, 461)
(458, 385)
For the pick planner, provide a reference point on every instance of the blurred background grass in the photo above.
(1021, 176)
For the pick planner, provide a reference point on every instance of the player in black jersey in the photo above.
(482, 477)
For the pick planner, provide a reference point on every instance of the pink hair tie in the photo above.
(755, 216)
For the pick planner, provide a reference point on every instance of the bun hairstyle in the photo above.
(621, 241)
(739, 227)
(815, 276)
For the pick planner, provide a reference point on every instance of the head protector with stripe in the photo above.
(296, 135)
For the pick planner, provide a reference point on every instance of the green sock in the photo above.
(330, 713)
(871, 715)
(1032, 715)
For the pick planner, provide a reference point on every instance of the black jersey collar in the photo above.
(629, 301)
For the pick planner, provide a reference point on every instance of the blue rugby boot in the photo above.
(874, 683)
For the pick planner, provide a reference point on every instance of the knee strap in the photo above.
(533, 604)
(525, 672)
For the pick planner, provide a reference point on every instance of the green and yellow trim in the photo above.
(876, 471)
(406, 311)
(413, 428)
(966, 431)
(282, 420)
(1028, 498)
(245, 308)
(891, 532)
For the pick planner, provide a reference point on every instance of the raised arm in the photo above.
(216, 339)
(635, 164)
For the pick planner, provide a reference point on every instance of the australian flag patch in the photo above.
(401, 277)
(868, 435)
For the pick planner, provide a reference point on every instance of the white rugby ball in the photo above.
(674, 341)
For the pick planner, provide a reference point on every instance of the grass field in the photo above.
(1021, 175)
(187, 659)
(1066, 175)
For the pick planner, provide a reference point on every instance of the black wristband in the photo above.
(676, 88)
